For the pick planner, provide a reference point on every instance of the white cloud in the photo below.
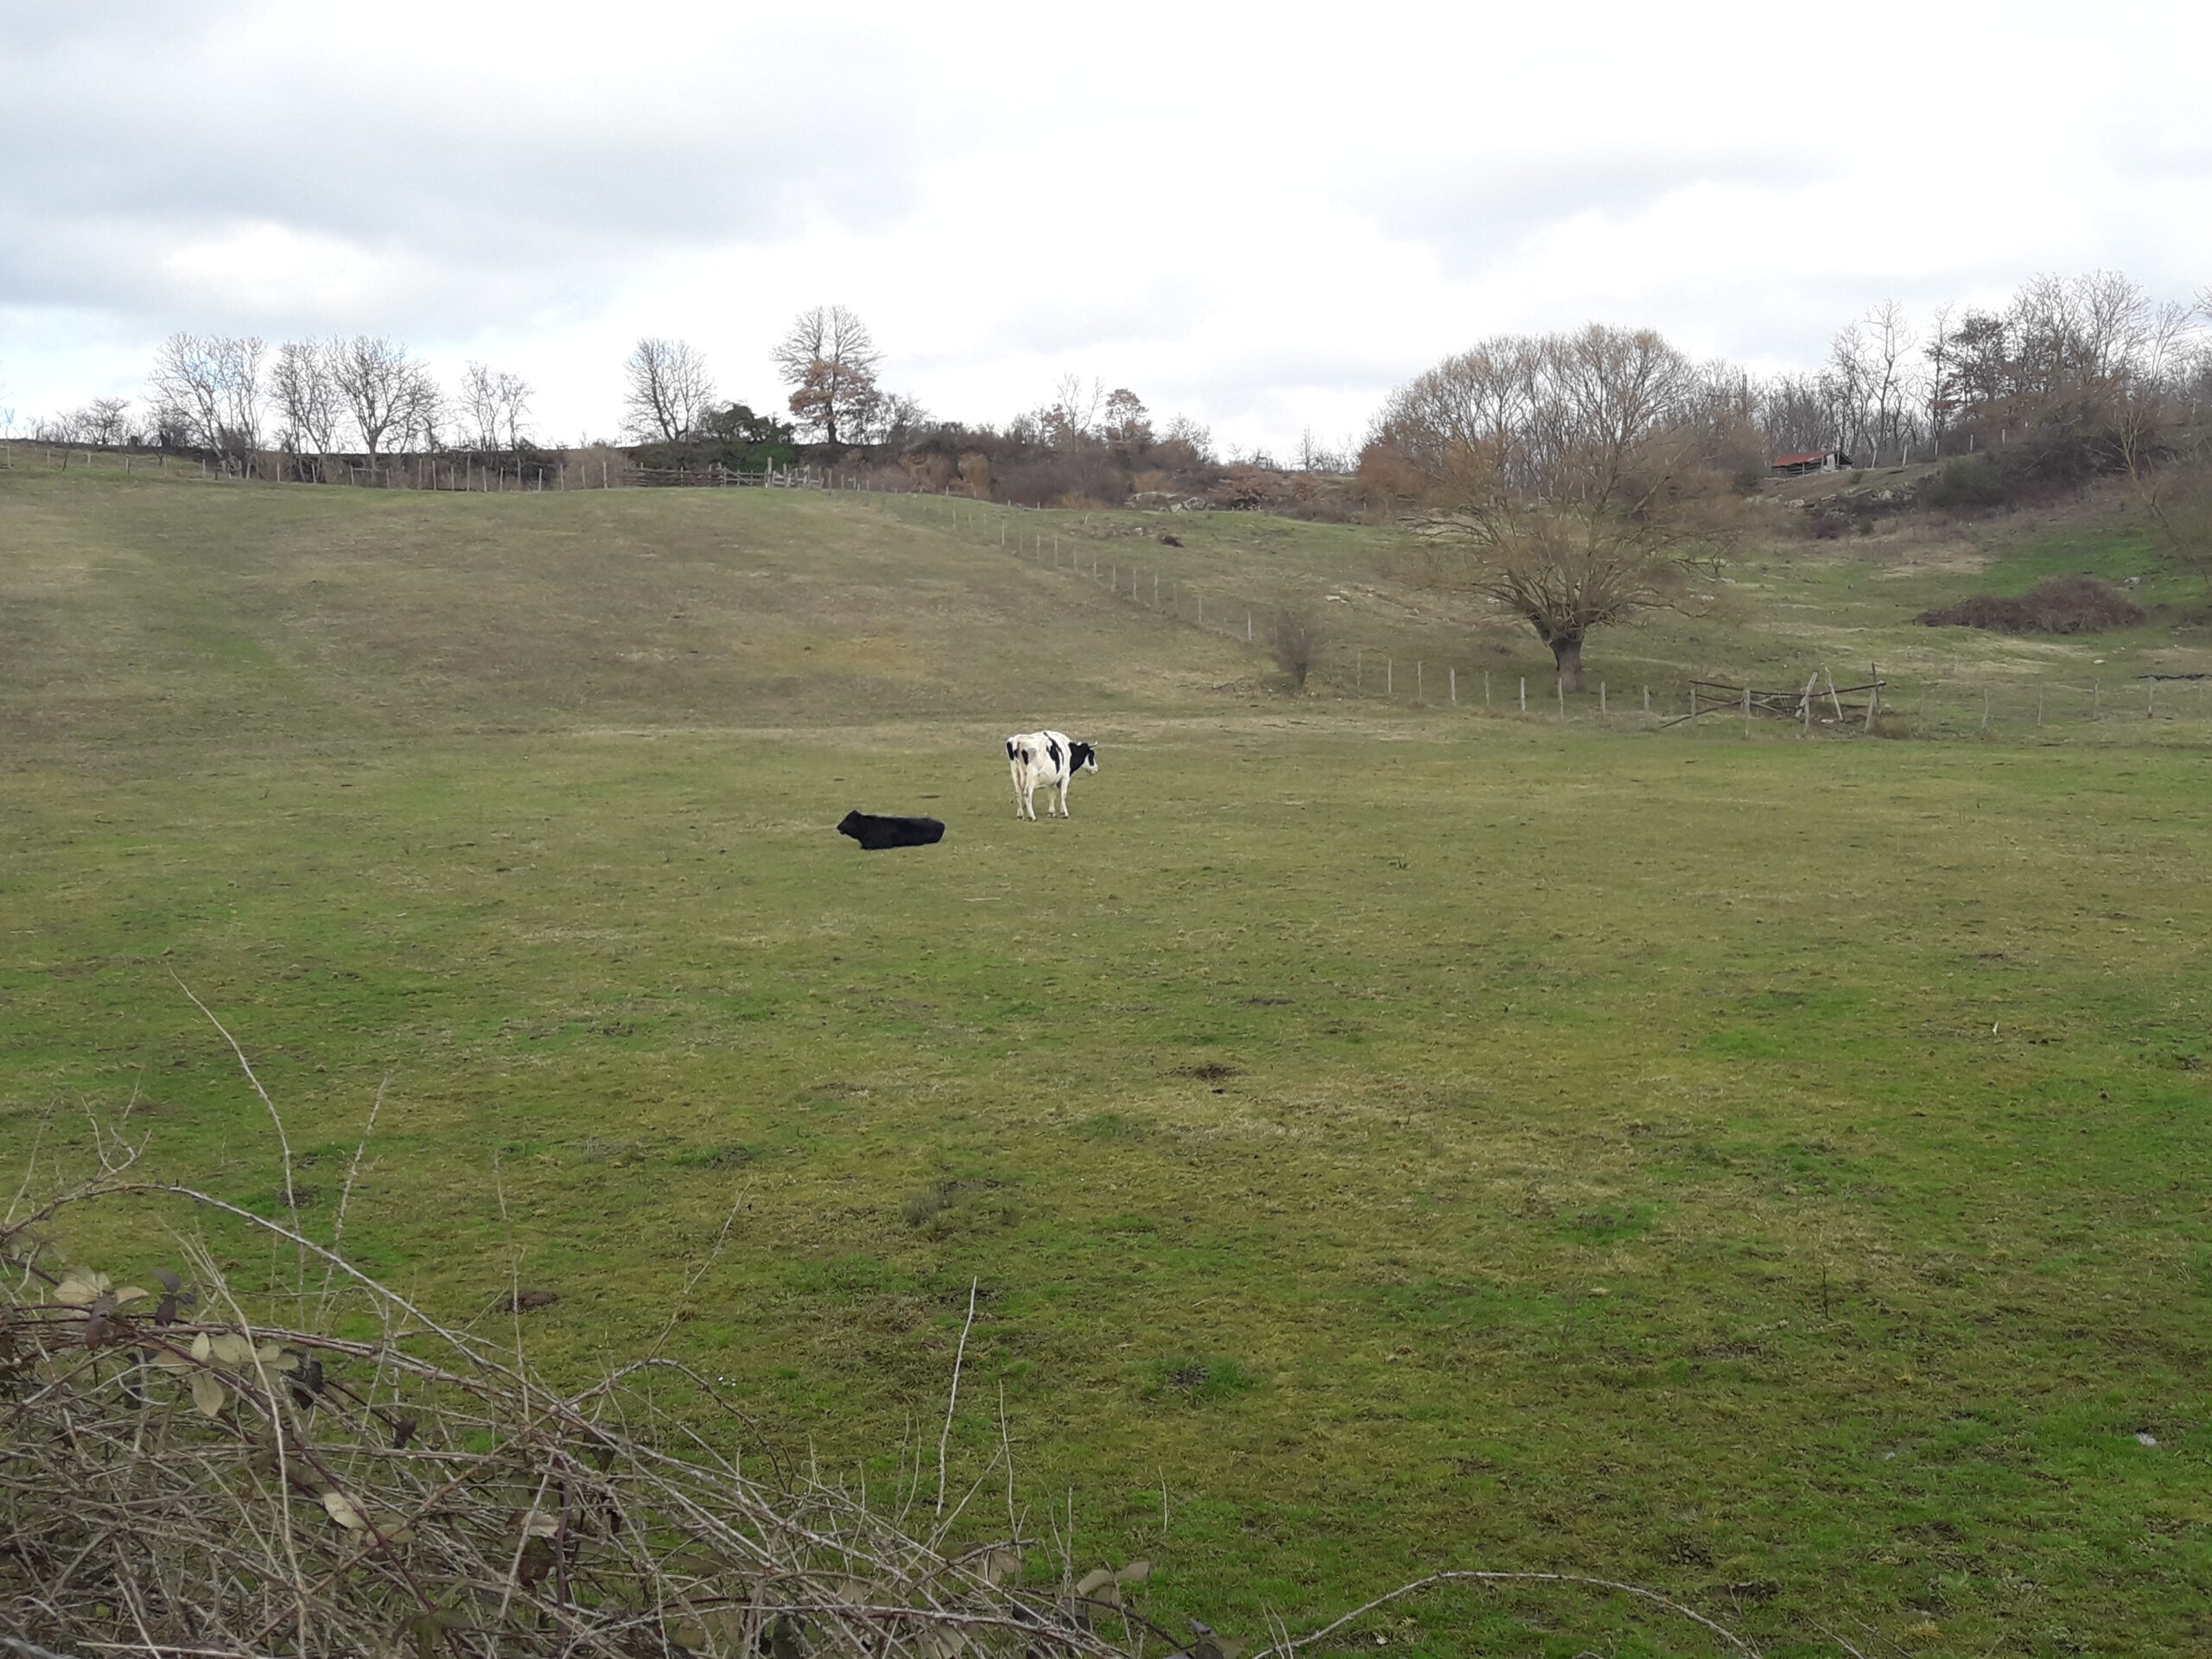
(1262, 217)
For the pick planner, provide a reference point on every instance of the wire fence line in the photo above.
(1930, 706)
(463, 471)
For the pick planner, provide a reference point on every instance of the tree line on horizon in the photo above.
(1885, 392)
(1581, 478)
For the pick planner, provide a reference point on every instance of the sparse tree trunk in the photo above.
(1566, 653)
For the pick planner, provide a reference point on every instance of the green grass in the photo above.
(1774, 1172)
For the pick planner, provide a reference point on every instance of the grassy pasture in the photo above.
(1790, 606)
(1771, 1172)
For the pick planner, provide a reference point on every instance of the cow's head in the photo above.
(1083, 756)
(852, 825)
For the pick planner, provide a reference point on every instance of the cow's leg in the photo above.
(1021, 798)
(1063, 800)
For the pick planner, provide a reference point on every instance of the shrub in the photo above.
(2063, 604)
(1296, 634)
(1969, 481)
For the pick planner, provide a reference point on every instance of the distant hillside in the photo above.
(164, 608)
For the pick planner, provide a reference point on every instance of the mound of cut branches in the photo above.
(180, 1473)
(2063, 604)
(191, 1469)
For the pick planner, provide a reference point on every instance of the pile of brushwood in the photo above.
(318, 1466)
(336, 1472)
(2062, 605)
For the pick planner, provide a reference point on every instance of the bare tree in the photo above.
(494, 403)
(1194, 436)
(1577, 469)
(1884, 383)
(214, 382)
(1940, 393)
(304, 383)
(829, 360)
(67, 427)
(669, 391)
(2181, 508)
(898, 419)
(1068, 418)
(107, 421)
(390, 394)
(1298, 630)
(1125, 420)
(1566, 418)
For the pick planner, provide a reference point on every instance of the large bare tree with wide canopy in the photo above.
(1581, 471)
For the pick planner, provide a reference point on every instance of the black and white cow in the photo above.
(1046, 760)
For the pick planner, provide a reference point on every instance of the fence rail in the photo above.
(1933, 707)
(1881, 705)
(462, 471)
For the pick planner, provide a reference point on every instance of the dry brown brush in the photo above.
(2062, 605)
(191, 1469)
(328, 1469)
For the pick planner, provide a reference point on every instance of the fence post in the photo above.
(2039, 708)
(2097, 698)
(1985, 707)
(1601, 700)
(1358, 671)
(1421, 683)
(1747, 711)
(1525, 694)
(1647, 705)
(2151, 701)
(1485, 688)
(1248, 628)
(1454, 674)
(1389, 675)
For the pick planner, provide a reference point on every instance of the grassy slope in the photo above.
(1709, 1164)
(1795, 606)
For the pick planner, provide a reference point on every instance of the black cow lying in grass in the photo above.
(875, 833)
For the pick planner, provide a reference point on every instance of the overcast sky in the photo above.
(1259, 216)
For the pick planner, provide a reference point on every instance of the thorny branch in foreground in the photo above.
(183, 1478)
